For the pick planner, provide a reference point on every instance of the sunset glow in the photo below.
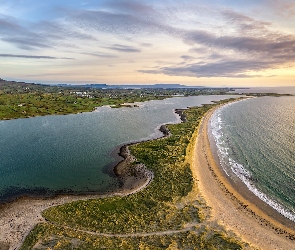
(220, 43)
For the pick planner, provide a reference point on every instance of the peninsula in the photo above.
(173, 196)
(170, 211)
(188, 204)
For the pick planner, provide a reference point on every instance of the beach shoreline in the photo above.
(243, 190)
(233, 205)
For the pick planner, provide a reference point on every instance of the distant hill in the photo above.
(132, 86)
(22, 86)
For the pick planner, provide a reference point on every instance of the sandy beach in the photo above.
(244, 215)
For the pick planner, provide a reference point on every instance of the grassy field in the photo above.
(25, 105)
(22, 100)
(168, 214)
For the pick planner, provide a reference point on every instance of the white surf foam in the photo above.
(229, 165)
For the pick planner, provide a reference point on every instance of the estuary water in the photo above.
(70, 153)
(256, 143)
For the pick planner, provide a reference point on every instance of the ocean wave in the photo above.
(216, 130)
(230, 166)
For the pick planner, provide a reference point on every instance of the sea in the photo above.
(255, 141)
(278, 90)
(49, 155)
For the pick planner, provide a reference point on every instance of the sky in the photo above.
(201, 43)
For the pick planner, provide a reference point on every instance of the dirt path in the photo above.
(167, 232)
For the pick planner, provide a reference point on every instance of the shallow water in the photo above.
(256, 143)
(58, 154)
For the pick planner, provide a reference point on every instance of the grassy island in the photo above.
(167, 214)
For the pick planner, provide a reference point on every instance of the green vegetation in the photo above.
(60, 239)
(169, 210)
(38, 104)
(21, 100)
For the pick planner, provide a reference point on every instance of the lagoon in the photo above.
(49, 155)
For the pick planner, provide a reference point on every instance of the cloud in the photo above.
(130, 6)
(229, 68)
(62, 31)
(44, 34)
(245, 45)
(249, 46)
(25, 43)
(122, 17)
(7, 24)
(187, 58)
(123, 48)
(14, 33)
(244, 24)
(228, 43)
(104, 21)
(272, 46)
(103, 55)
(285, 8)
(146, 44)
(34, 57)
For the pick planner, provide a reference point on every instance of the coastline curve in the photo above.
(231, 205)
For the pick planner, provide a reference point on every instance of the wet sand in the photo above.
(251, 219)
